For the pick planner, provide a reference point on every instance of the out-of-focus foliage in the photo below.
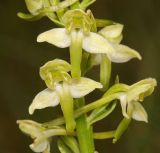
(21, 57)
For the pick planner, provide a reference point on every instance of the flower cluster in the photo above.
(67, 84)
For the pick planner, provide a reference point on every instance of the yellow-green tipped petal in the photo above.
(83, 86)
(123, 54)
(46, 98)
(95, 43)
(112, 32)
(34, 5)
(139, 113)
(58, 37)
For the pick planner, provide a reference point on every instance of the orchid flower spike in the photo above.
(62, 91)
(36, 132)
(130, 100)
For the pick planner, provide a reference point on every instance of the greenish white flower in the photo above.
(36, 132)
(76, 87)
(121, 53)
(130, 100)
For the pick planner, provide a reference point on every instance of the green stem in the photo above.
(84, 131)
(62, 132)
(84, 109)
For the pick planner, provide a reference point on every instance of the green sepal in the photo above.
(122, 127)
(30, 17)
(63, 147)
(102, 112)
(103, 22)
(71, 143)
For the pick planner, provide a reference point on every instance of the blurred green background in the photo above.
(21, 57)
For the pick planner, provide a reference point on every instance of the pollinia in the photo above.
(91, 42)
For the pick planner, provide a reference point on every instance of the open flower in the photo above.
(77, 35)
(50, 98)
(36, 132)
(130, 100)
(121, 53)
(64, 94)
(62, 89)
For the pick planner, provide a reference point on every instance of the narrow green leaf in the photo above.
(71, 143)
(63, 147)
(100, 113)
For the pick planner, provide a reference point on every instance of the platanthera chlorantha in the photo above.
(91, 42)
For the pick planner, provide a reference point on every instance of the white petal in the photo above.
(139, 113)
(95, 43)
(46, 98)
(39, 146)
(124, 103)
(123, 54)
(112, 31)
(58, 37)
(83, 86)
